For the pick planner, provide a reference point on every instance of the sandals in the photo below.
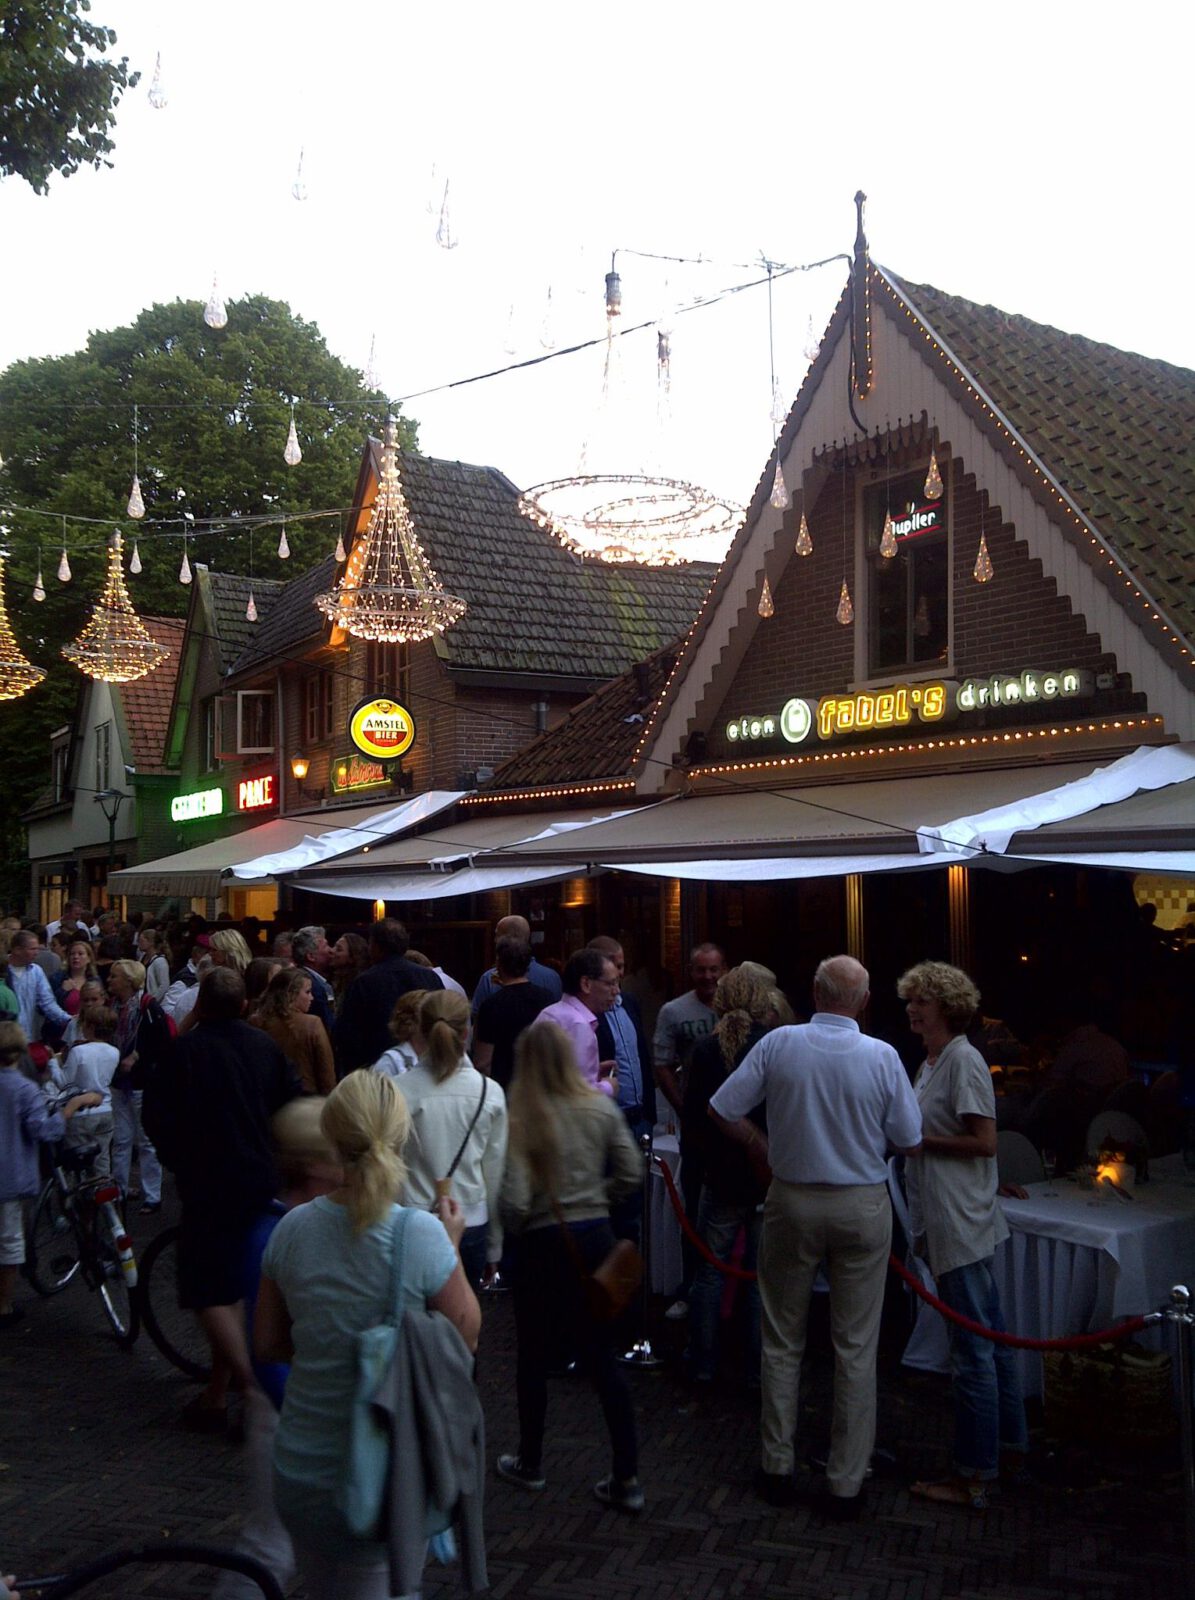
(971, 1493)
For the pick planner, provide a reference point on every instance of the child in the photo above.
(91, 994)
(90, 1065)
(25, 1121)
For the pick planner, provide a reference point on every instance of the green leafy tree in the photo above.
(58, 89)
(213, 410)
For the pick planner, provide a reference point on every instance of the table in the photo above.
(1073, 1263)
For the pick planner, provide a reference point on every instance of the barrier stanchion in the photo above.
(641, 1354)
(1178, 1313)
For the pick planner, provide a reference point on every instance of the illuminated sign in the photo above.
(203, 803)
(354, 772)
(937, 700)
(918, 519)
(255, 794)
(382, 729)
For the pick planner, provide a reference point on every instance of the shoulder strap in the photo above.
(397, 1262)
(485, 1083)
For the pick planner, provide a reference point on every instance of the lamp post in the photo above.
(110, 802)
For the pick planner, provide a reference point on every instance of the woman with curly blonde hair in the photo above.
(732, 1191)
(326, 1275)
(957, 1224)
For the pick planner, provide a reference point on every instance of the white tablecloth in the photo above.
(1074, 1264)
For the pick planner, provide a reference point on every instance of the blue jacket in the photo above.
(25, 1122)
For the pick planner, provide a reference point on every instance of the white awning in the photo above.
(351, 835)
(433, 885)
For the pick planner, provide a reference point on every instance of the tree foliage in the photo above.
(213, 409)
(58, 89)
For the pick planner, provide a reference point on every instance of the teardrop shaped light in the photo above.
(136, 505)
(157, 95)
(292, 455)
(983, 571)
(933, 479)
(184, 572)
(39, 588)
(766, 607)
(846, 611)
(804, 545)
(64, 568)
(341, 553)
(780, 497)
(888, 538)
(283, 546)
(135, 563)
(215, 313)
(251, 609)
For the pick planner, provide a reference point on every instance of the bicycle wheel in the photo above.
(176, 1332)
(120, 1303)
(51, 1244)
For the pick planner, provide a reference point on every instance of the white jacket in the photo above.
(440, 1116)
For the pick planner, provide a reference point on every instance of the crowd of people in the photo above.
(309, 1095)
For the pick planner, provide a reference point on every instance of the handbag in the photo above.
(444, 1184)
(609, 1289)
(360, 1494)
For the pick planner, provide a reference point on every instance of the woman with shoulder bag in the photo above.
(458, 1131)
(570, 1155)
(326, 1276)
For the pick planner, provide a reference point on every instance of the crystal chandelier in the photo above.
(630, 517)
(389, 591)
(115, 646)
(17, 675)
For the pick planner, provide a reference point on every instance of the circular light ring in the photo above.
(388, 614)
(647, 523)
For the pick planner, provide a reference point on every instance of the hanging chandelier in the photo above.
(627, 516)
(115, 646)
(390, 591)
(17, 675)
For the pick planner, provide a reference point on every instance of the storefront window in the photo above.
(908, 593)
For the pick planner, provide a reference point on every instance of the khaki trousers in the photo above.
(849, 1230)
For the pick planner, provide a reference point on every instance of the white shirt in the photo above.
(952, 1201)
(836, 1100)
(182, 1004)
(92, 1065)
(157, 977)
(33, 992)
(398, 1059)
(440, 1115)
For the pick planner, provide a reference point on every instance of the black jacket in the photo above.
(362, 1031)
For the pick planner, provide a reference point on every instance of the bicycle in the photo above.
(76, 1230)
(176, 1332)
(61, 1584)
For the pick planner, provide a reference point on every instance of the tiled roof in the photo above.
(598, 737)
(147, 701)
(230, 597)
(533, 606)
(1115, 430)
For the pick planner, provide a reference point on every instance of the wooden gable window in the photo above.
(317, 707)
(908, 594)
(388, 670)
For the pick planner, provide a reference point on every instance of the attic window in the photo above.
(908, 605)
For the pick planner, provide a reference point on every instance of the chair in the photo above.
(1115, 1125)
(1017, 1161)
(929, 1347)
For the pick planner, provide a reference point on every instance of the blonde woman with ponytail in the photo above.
(458, 1130)
(326, 1275)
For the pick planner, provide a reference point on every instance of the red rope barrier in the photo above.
(1077, 1341)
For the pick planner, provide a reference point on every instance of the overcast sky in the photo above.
(1036, 156)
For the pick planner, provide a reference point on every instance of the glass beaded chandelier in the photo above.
(17, 675)
(115, 646)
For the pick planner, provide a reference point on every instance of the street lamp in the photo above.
(110, 802)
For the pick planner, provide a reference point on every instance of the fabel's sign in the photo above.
(904, 704)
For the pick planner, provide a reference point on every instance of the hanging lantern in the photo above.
(215, 313)
(292, 455)
(780, 497)
(983, 571)
(136, 505)
(933, 479)
(804, 545)
(298, 188)
(613, 295)
(251, 609)
(184, 571)
(766, 607)
(17, 675)
(283, 546)
(390, 591)
(846, 611)
(39, 588)
(888, 538)
(341, 553)
(115, 646)
(64, 568)
(157, 95)
(135, 563)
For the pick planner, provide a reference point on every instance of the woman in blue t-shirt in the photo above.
(325, 1279)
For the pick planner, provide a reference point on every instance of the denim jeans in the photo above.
(127, 1132)
(989, 1414)
(718, 1223)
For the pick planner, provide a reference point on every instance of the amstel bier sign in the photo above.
(381, 729)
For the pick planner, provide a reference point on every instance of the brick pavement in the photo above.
(90, 1459)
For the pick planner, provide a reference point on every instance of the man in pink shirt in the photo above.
(590, 983)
